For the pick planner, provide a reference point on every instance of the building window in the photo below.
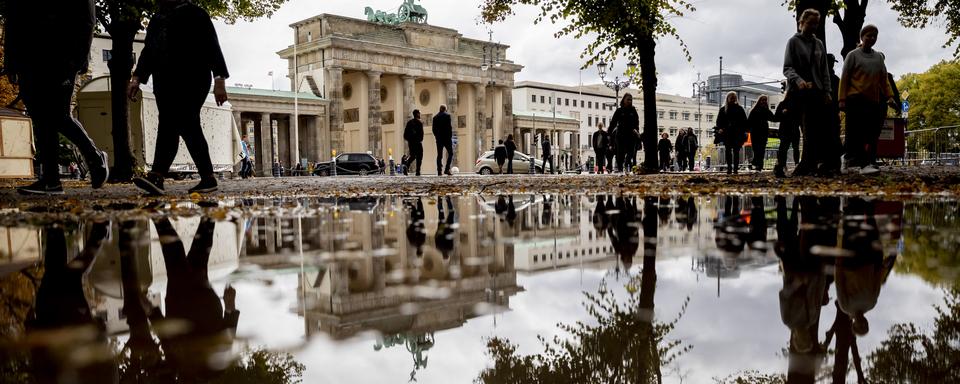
(559, 101)
(106, 55)
(581, 103)
(709, 118)
(589, 121)
(660, 114)
(309, 36)
(673, 115)
(686, 116)
(590, 104)
(696, 117)
(541, 99)
(673, 131)
(604, 121)
(533, 99)
(566, 102)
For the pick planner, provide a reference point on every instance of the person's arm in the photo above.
(215, 59)
(849, 63)
(789, 64)
(825, 73)
(614, 121)
(144, 69)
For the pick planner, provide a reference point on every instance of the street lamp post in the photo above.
(698, 90)
(616, 84)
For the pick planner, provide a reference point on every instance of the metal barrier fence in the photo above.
(933, 146)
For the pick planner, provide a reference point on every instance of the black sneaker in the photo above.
(99, 170)
(206, 185)
(152, 184)
(42, 187)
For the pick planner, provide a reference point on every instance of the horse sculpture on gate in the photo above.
(408, 12)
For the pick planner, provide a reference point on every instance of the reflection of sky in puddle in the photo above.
(345, 290)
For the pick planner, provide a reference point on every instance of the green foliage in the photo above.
(263, 367)
(931, 241)
(912, 356)
(622, 347)
(615, 27)
(934, 95)
(921, 13)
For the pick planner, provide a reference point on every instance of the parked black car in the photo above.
(349, 164)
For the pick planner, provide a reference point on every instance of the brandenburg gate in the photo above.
(375, 72)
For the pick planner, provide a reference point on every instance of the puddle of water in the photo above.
(490, 289)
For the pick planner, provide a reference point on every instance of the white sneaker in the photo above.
(869, 170)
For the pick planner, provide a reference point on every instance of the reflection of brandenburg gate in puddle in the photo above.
(366, 274)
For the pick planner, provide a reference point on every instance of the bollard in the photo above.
(533, 166)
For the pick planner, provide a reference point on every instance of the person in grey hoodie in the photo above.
(808, 79)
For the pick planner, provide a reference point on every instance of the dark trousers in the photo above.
(665, 161)
(179, 111)
(786, 141)
(441, 145)
(510, 164)
(733, 159)
(416, 154)
(500, 162)
(864, 123)
(681, 161)
(821, 135)
(691, 159)
(548, 159)
(47, 99)
(626, 155)
(759, 151)
(601, 159)
(246, 168)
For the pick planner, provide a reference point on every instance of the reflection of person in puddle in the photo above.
(62, 306)
(546, 216)
(624, 232)
(664, 209)
(416, 233)
(758, 223)
(728, 236)
(511, 212)
(600, 219)
(859, 278)
(196, 328)
(443, 239)
(804, 281)
(691, 213)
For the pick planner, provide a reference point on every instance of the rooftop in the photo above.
(271, 93)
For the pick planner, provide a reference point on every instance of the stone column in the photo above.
(481, 122)
(409, 104)
(294, 138)
(507, 112)
(575, 149)
(374, 128)
(265, 145)
(334, 85)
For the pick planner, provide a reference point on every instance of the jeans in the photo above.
(179, 111)
(441, 145)
(548, 159)
(47, 99)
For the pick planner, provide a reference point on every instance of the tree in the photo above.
(934, 102)
(631, 28)
(123, 19)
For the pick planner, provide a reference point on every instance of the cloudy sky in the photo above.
(749, 34)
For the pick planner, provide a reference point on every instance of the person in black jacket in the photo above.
(547, 154)
(443, 132)
(789, 135)
(500, 155)
(181, 52)
(511, 150)
(625, 128)
(759, 125)
(692, 145)
(416, 231)
(46, 47)
(413, 134)
(600, 143)
(664, 148)
(732, 121)
(681, 147)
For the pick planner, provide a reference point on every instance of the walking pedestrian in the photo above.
(732, 121)
(681, 150)
(808, 79)
(626, 125)
(511, 147)
(789, 135)
(693, 144)
(547, 154)
(413, 134)
(277, 168)
(759, 125)
(245, 164)
(46, 47)
(600, 143)
(664, 147)
(863, 95)
(500, 155)
(181, 52)
(443, 133)
(611, 151)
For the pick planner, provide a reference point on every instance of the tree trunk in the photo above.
(648, 84)
(122, 31)
(850, 24)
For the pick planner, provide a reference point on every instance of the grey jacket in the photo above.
(806, 59)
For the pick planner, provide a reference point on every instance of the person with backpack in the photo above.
(600, 144)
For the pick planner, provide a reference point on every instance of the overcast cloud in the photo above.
(749, 34)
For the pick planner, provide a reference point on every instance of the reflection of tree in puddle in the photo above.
(625, 345)
(931, 241)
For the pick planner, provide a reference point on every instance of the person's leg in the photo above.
(199, 254)
(728, 155)
(168, 132)
(759, 153)
(736, 160)
(174, 257)
(872, 132)
(853, 136)
(440, 158)
(192, 131)
(449, 147)
(600, 160)
(691, 157)
(419, 157)
(510, 165)
(44, 100)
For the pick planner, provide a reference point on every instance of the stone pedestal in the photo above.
(334, 84)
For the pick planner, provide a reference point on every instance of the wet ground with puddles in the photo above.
(486, 288)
